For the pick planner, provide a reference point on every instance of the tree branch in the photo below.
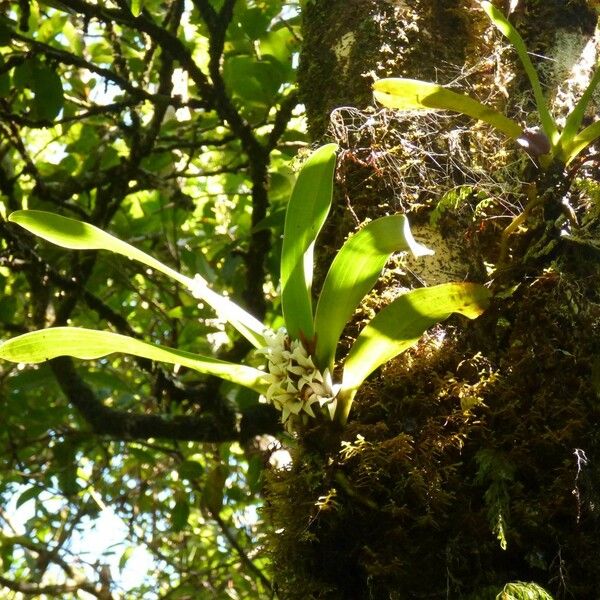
(246, 560)
(260, 419)
(282, 118)
(67, 58)
(55, 590)
(166, 40)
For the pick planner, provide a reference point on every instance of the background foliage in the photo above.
(161, 122)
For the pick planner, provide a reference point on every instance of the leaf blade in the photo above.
(399, 325)
(78, 235)
(48, 97)
(513, 36)
(352, 274)
(582, 141)
(413, 94)
(307, 210)
(88, 344)
(575, 117)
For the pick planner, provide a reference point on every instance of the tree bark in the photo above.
(470, 461)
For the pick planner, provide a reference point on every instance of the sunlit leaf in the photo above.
(503, 25)
(521, 590)
(354, 271)
(306, 213)
(253, 80)
(412, 94)
(575, 117)
(399, 325)
(125, 556)
(136, 7)
(77, 235)
(582, 141)
(39, 346)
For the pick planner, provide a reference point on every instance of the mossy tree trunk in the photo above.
(472, 460)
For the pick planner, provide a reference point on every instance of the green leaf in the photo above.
(280, 44)
(575, 117)
(190, 470)
(42, 345)
(77, 235)
(399, 325)
(586, 137)
(47, 89)
(136, 7)
(252, 80)
(5, 86)
(6, 32)
(125, 556)
(307, 210)
(213, 493)
(29, 494)
(180, 514)
(353, 273)
(254, 22)
(412, 94)
(520, 590)
(503, 25)
(23, 74)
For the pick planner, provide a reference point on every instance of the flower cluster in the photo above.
(296, 385)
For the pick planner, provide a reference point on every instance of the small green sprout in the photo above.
(300, 358)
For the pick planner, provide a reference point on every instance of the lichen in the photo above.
(571, 63)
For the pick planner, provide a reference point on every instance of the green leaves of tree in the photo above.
(308, 208)
(5, 83)
(46, 85)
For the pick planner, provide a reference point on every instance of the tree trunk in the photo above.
(470, 461)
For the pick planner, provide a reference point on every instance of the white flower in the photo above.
(295, 383)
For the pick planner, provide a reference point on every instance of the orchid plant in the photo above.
(300, 375)
(548, 144)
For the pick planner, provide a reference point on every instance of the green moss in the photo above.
(408, 505)
(487, 433)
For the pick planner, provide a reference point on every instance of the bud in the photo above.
(534, 141)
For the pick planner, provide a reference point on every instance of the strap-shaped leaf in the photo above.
(399, 325)
(513, 36)
(77, 235)
(307, 210)
(575, 117)
(353, 273)
(42, 345)
(581, 141)
(412, 94)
